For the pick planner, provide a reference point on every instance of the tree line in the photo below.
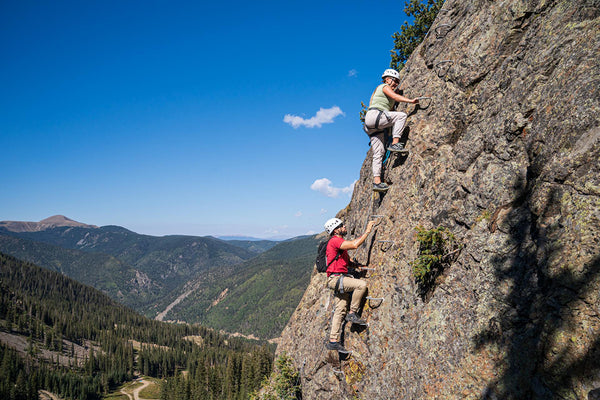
(60, 317)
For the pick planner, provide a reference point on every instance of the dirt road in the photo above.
(136, 391)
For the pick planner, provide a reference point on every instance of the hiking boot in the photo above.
(380, 187)
(398, 148)
(336, 346)
(355, 319)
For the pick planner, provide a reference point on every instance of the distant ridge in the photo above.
(48, 223)
(247, 238)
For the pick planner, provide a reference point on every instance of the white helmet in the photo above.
(332, 223)
(390, 72)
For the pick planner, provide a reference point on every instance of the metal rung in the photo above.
(367, 268)
(372, 216)
(388, 247)
(337, 371)
(439, 70)
(444, 62)
(377, 300)
(440, 34)
(425, 98)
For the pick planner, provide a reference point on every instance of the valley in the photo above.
(229, 285)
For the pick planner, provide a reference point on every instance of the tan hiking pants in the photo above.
(354, 290)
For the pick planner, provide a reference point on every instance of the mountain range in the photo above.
(50, 222)
(172, 277)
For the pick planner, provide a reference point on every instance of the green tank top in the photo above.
(380, 100)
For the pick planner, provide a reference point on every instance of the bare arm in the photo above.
(353, 244)
(393, 95)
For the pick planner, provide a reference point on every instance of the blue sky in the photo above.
(197, 118)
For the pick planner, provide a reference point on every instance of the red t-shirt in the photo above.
(339, 266)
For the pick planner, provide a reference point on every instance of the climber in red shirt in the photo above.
(347, 289)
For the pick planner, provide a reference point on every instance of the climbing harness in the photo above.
(339, 285)
(376, 127)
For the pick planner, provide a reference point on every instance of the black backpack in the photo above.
(321, 260)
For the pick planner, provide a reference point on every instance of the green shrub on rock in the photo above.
(435, 245)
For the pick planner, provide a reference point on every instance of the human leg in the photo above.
(378, 150)
(340, 307)
(358, 287)
(340, 304)
(398, 120)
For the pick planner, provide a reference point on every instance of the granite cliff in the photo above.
(505, 155)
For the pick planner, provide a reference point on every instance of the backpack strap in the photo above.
(334, 258)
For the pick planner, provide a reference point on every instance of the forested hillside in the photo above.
(258, 296)
(244, 286)
(72, 340)
(142, 271)
(102, 271)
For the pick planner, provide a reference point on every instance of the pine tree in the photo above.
(411, 35)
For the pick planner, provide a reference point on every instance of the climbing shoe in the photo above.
(398, 148)
(336, 346)
(355, 319)
(380, 187)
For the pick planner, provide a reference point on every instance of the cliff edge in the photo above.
(505, 156)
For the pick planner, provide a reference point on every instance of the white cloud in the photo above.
(323, 116)
(311, 232)
(323, 186)
(298, 214)
(352, 73)
(276, 230)
(323, 211)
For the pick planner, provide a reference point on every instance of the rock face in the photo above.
(506, 157)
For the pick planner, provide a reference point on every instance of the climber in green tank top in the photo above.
(380, 115)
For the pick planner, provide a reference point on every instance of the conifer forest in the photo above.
(80, 344)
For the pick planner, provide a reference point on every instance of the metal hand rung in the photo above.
(386, 241)
(441, 33)
(337, 371)
(372, 216)
(439, 69)
(425, 98)
(444, 62)
(377, 300)
(367, 268)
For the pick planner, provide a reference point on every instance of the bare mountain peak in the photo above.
(48, 223)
